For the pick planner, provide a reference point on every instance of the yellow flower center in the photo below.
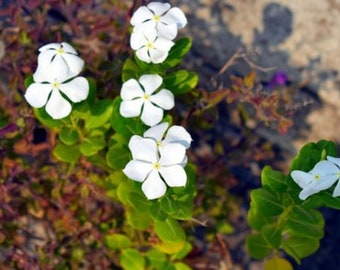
(60, 50)
(156, 166)
(55, 84)
(159, 144)
(146, 96)
(316, 177)
(149, 45)
(156, 18)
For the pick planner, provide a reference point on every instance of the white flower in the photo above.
(49, 93)
(167, 21)
(153, 170)
(149, 47)
(321, 177)
(57, 59)
(175, 135)
(336, 161)
(139, 96)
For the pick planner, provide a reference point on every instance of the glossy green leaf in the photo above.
(100, 114)
(255, 218)
(138, 220)
(269, 202)
(330, 201)
(169, 230)
(299, 247)
(177, 53)
(157, 212)
(182, 266)
(125, 126)
(125, 187)
(305, 222)
(132, 259)
(91, 146)
(277, 263)
(138, 201)
(180, 81)
(46, 119)
(118, 156)
(130, 70)
(117, 241)
(68, 136)
(156, 259)
(257, 246)
(272, 234)
(66, 153)
(181, 254)
(275, 180)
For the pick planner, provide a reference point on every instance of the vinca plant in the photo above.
(123, 178)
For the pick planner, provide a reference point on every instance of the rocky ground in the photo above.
(298, 38)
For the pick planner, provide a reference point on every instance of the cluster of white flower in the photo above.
(158, 160)
(56, 78)
(155, 26)
(324, 174)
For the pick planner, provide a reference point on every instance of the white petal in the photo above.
(336, 161)
(137, 40)
(163, 44)
(143, 149)
(143, 55)
(159, 8)
(150, 82)
(153, 187)
(59, 69)
(172, 154)
(45, 57)
(175, 16)
(157, 56)
(131, 108)
(137, 170)
(140, 28)
(324, 167)
(131, 89)
(301, 178)
(74, 62)
(76, 90)
(142, 14)
(53, 46)
(68, 48)
(336, 191)
(322, 183)
(43, 74)
(37, 94)
(156, 132)
(164, 99)
(151, 114)
(178, 134)
(58, 107)
(167, 31)
(174, 176)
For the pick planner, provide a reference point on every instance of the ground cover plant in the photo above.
(102, 161)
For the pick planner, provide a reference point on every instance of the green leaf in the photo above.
(169, 205)
(305, 222)
(269, 202)
(275, 180)
(257, 246)
(46, 119)
(100, 114)
(181, 254)
(91, 146)
(125, 126)
(130, 70)
(156, 259)
(138, 220)
(177, 53)
(28, 80)
(255, 218)
(180, 82)
(330, 201)
(299, 247)
(68, 136)
(272, 234)
(132, 259)
(138, 201)
(66, 153)
(169, 230)
(157, 212)
(277, 263)
(182, 266)
(117, 241)
(124, 188)
(117, 157)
